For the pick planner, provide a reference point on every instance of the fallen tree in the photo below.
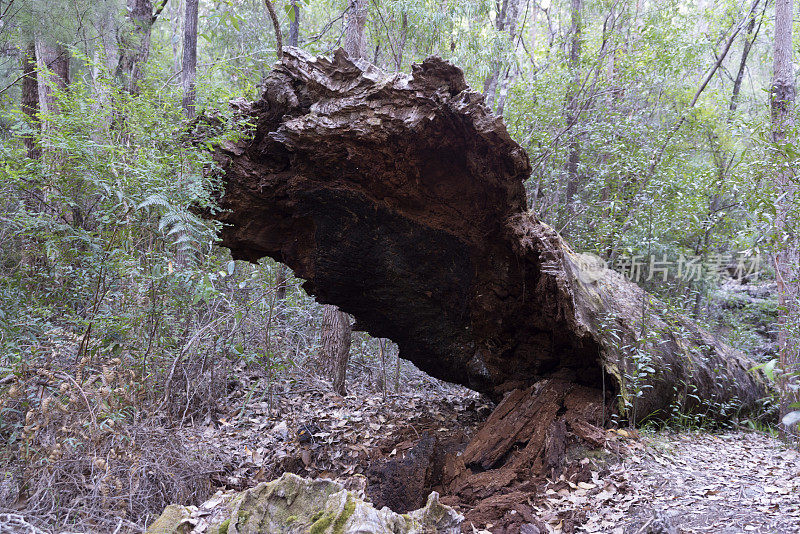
(400, 199)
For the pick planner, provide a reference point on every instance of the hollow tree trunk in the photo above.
(400, 199)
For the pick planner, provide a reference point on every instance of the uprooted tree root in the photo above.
(508, 461)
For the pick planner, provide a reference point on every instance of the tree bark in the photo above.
(134, 45)
(787, 257)
(355, 19)
(402, 202)
(750, 38)
(189, 70)
(572, 110)
(336, 332)
(30, 100)
(294, 24)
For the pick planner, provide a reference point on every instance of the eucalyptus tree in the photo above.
(784, 138)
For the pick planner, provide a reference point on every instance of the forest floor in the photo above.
(655, 482)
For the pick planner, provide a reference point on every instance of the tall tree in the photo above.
(294, 24)
(53, 65)
(356, 18)
(30, 99)
(787, 256)
(495, 87)
(750, 38)
(188, 72)
(52, 62)
(134, 46)
(573, 108)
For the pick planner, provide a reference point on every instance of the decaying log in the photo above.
(400, 199)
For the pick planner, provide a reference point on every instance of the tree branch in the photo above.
(158, 11)
(276, 24)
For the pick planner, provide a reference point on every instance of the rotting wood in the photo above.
(400, 199)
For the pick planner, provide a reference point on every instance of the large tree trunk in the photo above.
(787, 258)
(400, 199)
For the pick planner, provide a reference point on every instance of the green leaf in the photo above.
(768, 368)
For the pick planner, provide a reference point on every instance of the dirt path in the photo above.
(696, 483)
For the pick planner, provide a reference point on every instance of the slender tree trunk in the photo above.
(495, 87)
(294, 25)
(490, 84)
(276, 25)
(356, 18)
(787, 258)
(53, 75)
(512, 19)
(188, 72)
(30, 100)
(336, 333)
(752, 33)
(175, 19)
(572, 105)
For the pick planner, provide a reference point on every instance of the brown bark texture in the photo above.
(335, 350)
(134, 45)
(29, 102)
(355, 20)
(787, 257)
(400, 199)
(189, 70)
